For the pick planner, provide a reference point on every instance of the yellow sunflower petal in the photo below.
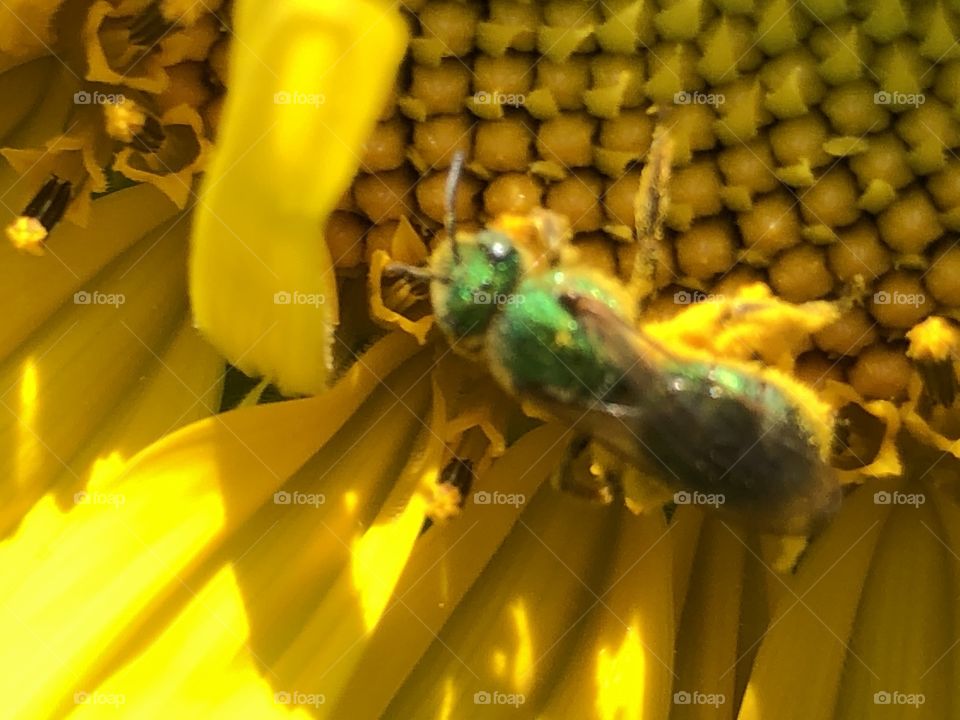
(212, 632)
(76, 582)
(707, 636)
(22, 88)
(514, 631)
(307, 82)
(213, 653)
(443, 566)
(949, 513)
(906, 605)
(811, 627)
(35, 287)
(26, 27)
(629, 635)
(69, 376)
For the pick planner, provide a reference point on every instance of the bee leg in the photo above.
(650, 212)
(554, 232)
(650, 209)
(574, 475)
(457, 476)
(411, 272)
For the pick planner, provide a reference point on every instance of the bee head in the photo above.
(477, 275)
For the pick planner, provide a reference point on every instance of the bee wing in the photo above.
(634, 354)
(723, 446)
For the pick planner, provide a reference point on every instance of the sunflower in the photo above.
(352, 520)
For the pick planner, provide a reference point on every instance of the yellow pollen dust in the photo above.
(444, 502)
(27, 234)
(124, 120)
(932, 339)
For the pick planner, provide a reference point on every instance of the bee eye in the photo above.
(499, 250)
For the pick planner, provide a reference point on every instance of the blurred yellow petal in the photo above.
(623, 667)
(905, 605)
(80, 581)
(798, 668)
(707, 636)
(307, 82)
(22, 88)
(209, 658)
(26, 27)
(949, 513)
(514, 630)
(443, 566)
(84, 359)
(35, 287)
(200, 667)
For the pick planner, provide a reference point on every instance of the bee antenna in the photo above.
(450, 195)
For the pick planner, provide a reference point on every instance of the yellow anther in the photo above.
(27, 234)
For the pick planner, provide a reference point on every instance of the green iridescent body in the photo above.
(566, 337)
(715, 429)
(484, 272)
(536, 346)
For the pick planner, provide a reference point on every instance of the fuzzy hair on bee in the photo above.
(569, 342)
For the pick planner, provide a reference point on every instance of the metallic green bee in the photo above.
(567, 339)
